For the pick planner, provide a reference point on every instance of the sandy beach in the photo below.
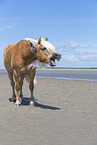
(65, 113)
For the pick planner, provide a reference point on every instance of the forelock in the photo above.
(48, 45)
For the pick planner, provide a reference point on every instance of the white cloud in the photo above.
(7, 23)
(88, 57)
(78, 60)
(79, 55)
(8, 26)
(70, 58)
(71, 45)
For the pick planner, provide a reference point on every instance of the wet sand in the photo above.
(65, 114)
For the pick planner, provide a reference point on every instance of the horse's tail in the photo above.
(28, 79)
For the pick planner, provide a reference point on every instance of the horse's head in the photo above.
(46, 52)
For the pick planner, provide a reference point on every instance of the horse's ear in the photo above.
(46, 39)
(39, 41)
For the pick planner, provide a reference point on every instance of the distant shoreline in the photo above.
(71, 70)
(60, 68)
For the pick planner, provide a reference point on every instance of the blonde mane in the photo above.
(44, 43)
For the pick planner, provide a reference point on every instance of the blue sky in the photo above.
(71, 25)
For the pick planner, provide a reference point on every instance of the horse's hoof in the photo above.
(18, 103)
(13, 100)
(32, 103)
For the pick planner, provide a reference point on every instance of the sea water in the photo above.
(64, 75)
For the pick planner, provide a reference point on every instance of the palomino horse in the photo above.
(19, 61)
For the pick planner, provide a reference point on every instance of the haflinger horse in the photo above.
(19, 61)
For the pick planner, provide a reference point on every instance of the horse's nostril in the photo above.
(56, 56)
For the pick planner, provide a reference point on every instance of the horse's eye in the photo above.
(43, 49)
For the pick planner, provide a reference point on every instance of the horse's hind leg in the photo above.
(21, 84)
(10, 75)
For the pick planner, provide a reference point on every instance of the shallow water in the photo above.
(64, 75)
(69, 75)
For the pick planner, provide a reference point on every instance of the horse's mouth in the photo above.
(52, 62)
(54, 57)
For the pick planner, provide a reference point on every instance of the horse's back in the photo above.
(13, 54)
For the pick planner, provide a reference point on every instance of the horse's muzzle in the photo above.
(53, 57)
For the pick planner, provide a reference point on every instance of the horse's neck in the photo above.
(29, 56)
(33, 41)
(30, 60)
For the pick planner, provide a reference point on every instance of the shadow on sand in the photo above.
(26, 102)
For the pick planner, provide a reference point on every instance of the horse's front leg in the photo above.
(22, 74)
(21, 84)
(31, 86)
(17, 86)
